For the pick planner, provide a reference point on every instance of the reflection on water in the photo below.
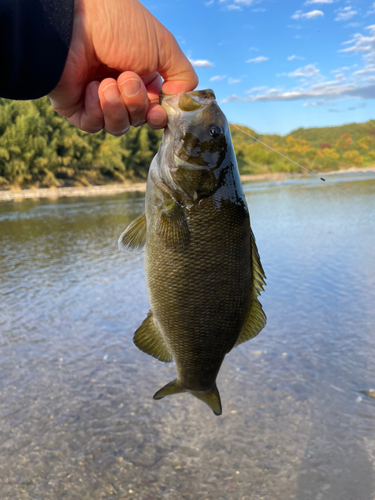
(77, 419)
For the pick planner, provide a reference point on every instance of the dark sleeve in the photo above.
(34, 42)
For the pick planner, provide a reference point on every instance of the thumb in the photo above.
(174, 66)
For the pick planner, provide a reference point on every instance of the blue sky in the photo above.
(276, 65)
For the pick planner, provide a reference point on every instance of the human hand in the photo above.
(119, 55)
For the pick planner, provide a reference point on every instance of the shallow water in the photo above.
(77, 419)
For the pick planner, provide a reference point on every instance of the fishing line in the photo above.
(298, 165)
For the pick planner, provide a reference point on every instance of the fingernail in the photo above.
(111, 93)
(131, 87)
(157, 119)
(94, 91)
(139, 124)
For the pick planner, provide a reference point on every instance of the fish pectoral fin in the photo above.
(211, 398)
(168, 390)
(172, 225)
(255, 319)
(133, 239)
(149, 340)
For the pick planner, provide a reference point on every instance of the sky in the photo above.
(277, 65)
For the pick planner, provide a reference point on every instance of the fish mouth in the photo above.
(179, 162)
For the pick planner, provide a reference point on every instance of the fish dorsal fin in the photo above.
(255, 318)
(172, 225)
(149, 340)
(133, 239)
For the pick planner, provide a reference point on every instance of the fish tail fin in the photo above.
(211, 398)
(168, 390)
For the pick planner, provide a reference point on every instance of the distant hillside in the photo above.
(318, 149)
(39, 148)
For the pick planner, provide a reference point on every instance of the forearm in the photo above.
(35, 37)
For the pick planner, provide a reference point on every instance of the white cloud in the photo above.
(372, 10)
(314, 2)
(365, 71)
(247, 3)
(237, 4)
(305, 72)
(362, 45)
(201, 63)
(233, 80)
(255, 89)
(345, 13)
(314, 14)
(259, 10)
(217, 78)
(209, 3)
(344, 68)
(254, 48)
(319, 103)
(293, 57)
(257, 59)
(348, 90)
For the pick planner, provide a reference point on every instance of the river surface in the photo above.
(77, 418)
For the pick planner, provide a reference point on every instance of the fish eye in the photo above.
(215, 130)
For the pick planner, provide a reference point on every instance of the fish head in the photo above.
(198, 134)
(196, 148)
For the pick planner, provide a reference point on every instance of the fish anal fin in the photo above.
(172, 225)
(133, 238)
(255, 319)
(254, 323)
(149, 340)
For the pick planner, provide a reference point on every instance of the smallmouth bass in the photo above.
(203, 270)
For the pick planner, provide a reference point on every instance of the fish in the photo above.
(202, 266)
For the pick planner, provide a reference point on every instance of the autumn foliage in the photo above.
(39, 148)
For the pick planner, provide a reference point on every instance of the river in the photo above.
(77, 418)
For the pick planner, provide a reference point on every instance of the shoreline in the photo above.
(110, 189)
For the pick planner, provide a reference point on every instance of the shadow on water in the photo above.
(77, 419)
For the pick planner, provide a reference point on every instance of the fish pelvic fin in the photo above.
(255, 319)
(149, 340)
(173, 226)
(211, 397)
(133, 239)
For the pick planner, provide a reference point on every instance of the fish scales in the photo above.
(202, 300)
(203, 270)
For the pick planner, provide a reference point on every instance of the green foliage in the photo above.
(40, 148)
(318, 149)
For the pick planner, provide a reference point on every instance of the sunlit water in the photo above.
(77, 419)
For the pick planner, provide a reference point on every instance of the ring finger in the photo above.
(116, 117)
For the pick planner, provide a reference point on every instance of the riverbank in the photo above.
(14, 194)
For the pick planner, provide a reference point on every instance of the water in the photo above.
(77, 419)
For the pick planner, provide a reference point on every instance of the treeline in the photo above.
(318, 149)
(39, 148)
